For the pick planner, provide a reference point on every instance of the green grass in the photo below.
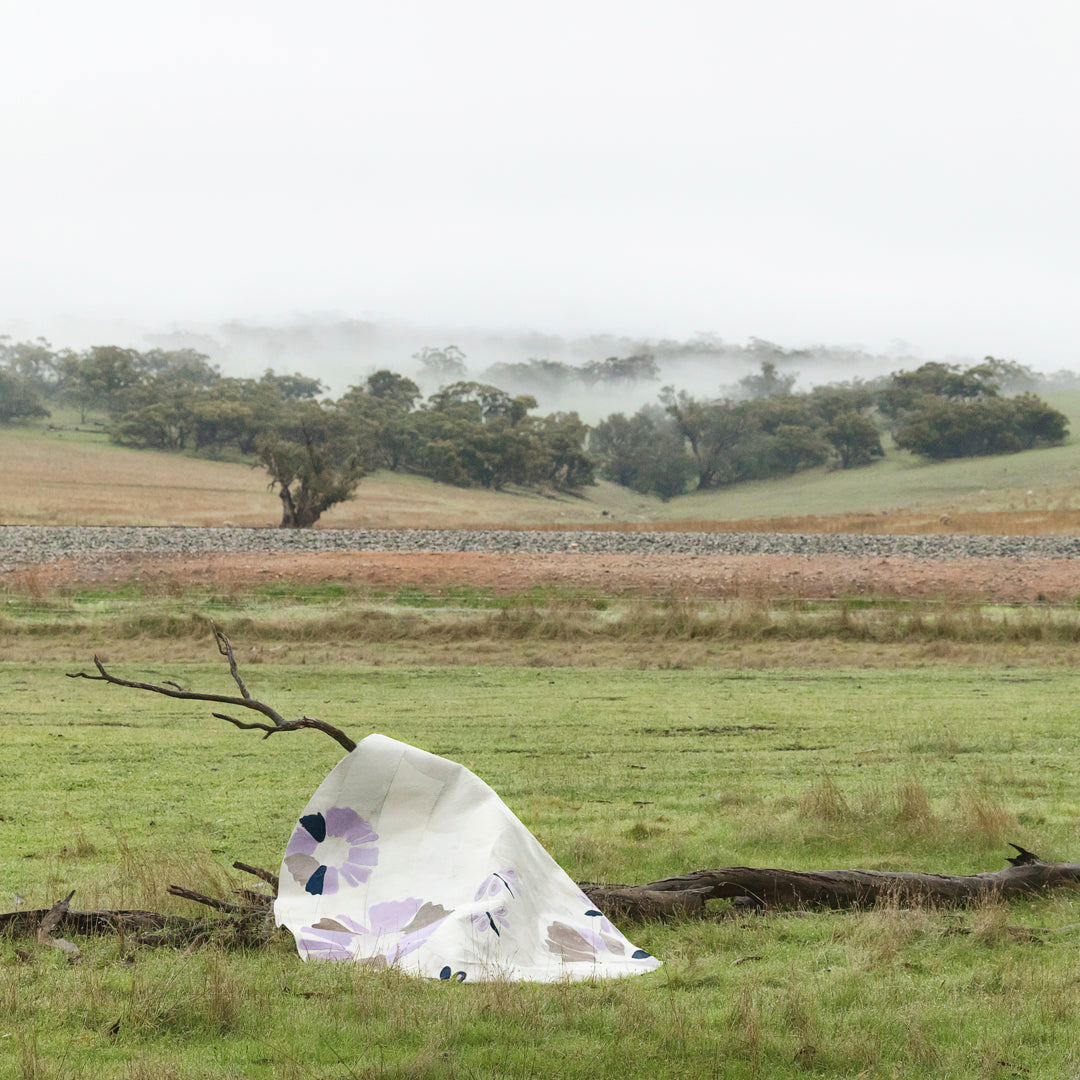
(625, 775)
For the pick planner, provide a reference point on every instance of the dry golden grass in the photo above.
(76, 477)
(69, 478)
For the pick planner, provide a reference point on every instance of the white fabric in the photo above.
(405, 858)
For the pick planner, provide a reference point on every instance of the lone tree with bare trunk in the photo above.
(314, 460)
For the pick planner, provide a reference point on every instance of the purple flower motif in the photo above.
(603, 934)
(502, 881)
(410, 921)
(329, 939)
(326, 851)
(415, 920)
(491, 920)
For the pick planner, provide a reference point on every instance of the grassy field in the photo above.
(71, 474)
(636, 738)
(657, 752)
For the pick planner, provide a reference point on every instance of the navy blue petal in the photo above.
(316, 825)
(491, 923)
(593, 911)
(445, 973)
(460, 976)
(641, 954)
(315, 882)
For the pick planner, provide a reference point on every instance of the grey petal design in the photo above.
(429, 913)
(301, 867)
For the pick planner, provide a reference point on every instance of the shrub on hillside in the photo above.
(18, 400)
(940, 428)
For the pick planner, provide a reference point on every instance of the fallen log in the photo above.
(768, 888)
(682, 897)
(248, 923)
(73, 921)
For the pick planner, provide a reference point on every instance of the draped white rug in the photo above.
(404, 858)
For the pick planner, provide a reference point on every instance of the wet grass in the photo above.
(624, 775)
(630, 770)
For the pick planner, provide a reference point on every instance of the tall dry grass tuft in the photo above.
(990, 922)
(985, 817)
(914, 813)
(882, 934)
(32, 1066)
(142, 877)
(78, 846)
(745, 1019)
(29, 583)
(203, 993)
(824, 801)
(222, 996)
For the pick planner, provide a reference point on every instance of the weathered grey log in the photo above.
(685, 896)
(20, 923)
(643, 902)
(244, 923)
(51, 922)
(835, 888)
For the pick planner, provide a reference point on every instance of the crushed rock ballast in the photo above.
(22, 545)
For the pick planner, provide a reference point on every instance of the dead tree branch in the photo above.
(48, 924)
(292, 725)
(209, 901)
(244, 701)
(259, 872)
(225, 648)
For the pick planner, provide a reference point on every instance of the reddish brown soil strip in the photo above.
(750, 576)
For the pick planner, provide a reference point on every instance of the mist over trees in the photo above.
(938, 411)
(563, 373)
(316, 448)
(694, 444)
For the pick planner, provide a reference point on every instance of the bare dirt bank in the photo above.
(705, 576)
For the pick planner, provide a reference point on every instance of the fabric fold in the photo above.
(403, 858)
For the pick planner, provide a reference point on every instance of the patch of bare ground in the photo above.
(758, 577)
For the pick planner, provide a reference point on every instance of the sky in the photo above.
(894, 175)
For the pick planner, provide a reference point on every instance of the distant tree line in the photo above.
(687, 443)
(937, 411)
(316, 449)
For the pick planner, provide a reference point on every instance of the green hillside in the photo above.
(62, 475)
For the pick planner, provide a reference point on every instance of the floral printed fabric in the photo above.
(404, 858)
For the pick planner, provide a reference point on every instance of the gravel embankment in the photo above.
(25, 545)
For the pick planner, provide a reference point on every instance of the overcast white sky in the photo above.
(827, 171)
